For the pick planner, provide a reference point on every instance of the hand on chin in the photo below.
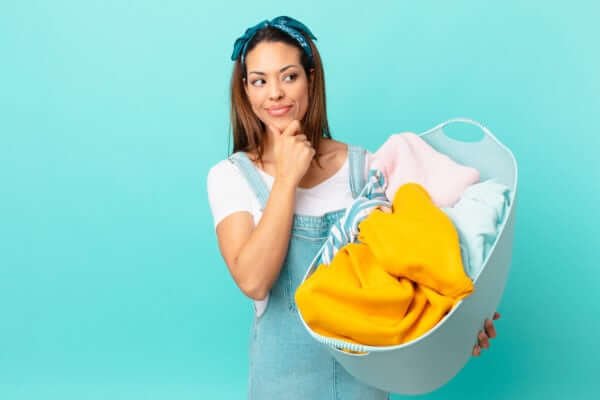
(282, 122)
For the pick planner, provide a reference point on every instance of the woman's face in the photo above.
(276, 84)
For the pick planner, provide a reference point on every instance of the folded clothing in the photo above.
(405, 158)
(477, 217)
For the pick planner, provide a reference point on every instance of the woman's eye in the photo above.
(258, 80)
(292, 77)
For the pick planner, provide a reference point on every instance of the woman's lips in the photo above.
(277, 112)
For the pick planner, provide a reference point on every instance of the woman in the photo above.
(274, 200)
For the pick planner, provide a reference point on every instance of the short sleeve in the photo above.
(229, 192)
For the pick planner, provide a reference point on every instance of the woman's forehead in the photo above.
(271, 57)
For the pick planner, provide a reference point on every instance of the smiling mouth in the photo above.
(277, 112)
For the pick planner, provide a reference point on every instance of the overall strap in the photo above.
(356, 158)
(250, 172)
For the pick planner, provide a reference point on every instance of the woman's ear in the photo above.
(245, 85)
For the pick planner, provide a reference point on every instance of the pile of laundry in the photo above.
(408, 248)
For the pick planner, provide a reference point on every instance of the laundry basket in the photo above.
(431, 360)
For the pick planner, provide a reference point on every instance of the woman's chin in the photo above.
(280, 123)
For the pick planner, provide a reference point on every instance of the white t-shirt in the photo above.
(229, 192)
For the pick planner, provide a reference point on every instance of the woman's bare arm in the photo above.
(254, 255)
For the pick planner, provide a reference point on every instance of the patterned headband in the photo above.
(285, 24)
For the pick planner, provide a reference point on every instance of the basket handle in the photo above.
(488, 135)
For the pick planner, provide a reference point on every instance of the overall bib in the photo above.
(285, 361)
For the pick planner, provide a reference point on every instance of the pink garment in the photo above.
(405, 157)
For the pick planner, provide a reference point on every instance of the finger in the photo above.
(476, 351)
(490, 330)
(483, 340)
(292, 128)
(311, 150)
(301, 138)
(496, 315)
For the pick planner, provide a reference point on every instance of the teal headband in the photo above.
(285, 24)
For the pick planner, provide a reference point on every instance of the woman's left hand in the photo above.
(484, 337)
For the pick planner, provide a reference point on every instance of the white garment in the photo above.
(229, 192)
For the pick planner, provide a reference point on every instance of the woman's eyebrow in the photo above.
(281, 70)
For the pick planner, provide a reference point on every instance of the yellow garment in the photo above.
(394, 286)
(417, 241)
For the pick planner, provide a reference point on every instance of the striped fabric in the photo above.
(345, 230)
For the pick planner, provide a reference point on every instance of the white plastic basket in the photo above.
(431, 360)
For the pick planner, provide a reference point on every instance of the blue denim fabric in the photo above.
(285, 361)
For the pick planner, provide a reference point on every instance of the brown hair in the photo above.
(247, 128)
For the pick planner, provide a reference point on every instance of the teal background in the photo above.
(112, 112)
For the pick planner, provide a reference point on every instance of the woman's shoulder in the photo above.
(331, 146)
(223, 172)
(341, 148)
(221, 167)
(228, 191)
(226, 180)
(332, 152)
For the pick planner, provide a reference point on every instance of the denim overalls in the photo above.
(286, 363)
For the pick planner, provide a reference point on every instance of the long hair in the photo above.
(247, 129)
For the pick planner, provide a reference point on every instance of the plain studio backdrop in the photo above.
(112, 112)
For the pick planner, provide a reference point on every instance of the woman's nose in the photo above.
(275, 92)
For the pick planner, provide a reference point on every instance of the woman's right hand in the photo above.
(293, 153)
